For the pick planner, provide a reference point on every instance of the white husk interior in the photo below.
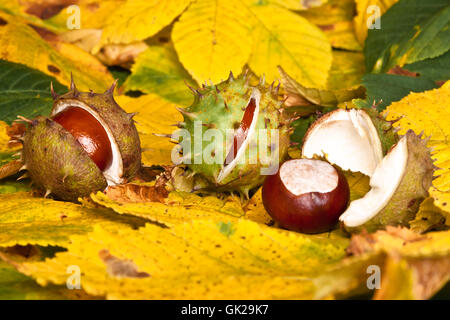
(383, 183)
(256, 94)
(348, 138)
(302, 176)
(113, 173)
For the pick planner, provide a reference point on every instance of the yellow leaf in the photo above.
(412, 278)
(417, 266)
(16, 286)
(154, 116)
(198, 260)
(93, 14)
(283, 38)
(25, 219)
(4, 138)
(429, 112)
(358, 184)
(21, 11)
(366, 15)
(212, 38)
(255, 210)
(158, 70)
(429, 217)
(335, 18)
(59, 60)
(291, 4)
(343, 82)
(137, 20)
(178, 207)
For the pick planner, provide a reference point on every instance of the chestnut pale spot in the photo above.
(302, 176)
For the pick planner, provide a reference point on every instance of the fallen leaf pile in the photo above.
(147, 240)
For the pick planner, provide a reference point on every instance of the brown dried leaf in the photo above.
(368, 242)
(120, 268)
(130, 192)
(10, 168)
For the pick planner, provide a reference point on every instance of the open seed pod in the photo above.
(353, 139)
(250, 113)
(86, 144)
(398, 185)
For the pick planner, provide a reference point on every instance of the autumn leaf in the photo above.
(178, 207)
(343, 81)
(60, 60)
(212, 39)
(437, 69)
(255, 210)
(29, 12)
(157, 149)
(25, 219)
(367, 13)
(417, 266)
(16, 286)
(423, 112)
(412, 30)
(429, 217)
(282, 38)
(384, 89)
(292, 4)
(34, 87)
(137, 20)
(131, 192)
(415, 279)
(157, 70)
(157, 236)
(239, 260)
(94, 14)
(337, 23)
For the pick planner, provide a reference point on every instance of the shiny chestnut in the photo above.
(89, 132)
(306, 195)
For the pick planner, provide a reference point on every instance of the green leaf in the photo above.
(435, 69)
(383, 89)
(157, 70)
(24, 91)
(120, 74)
(12, 186)
(300, 127)
(410, 31)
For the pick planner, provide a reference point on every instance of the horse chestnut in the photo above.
(306, 195)
(88, 143)
(89, 133)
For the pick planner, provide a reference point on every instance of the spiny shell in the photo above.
(119, 122)
(409, 193)
(222, 107)
(57, 162)
(70, 174)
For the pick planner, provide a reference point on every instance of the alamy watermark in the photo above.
(74, 280)
(73, 22)
(373, 21)
(374, 280)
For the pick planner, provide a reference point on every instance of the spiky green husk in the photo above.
(121, 123)
(412, 190)
(222, 107)
(386, 132)
(57, 163)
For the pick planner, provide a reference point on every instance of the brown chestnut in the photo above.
(89, 132)
(306, 195)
